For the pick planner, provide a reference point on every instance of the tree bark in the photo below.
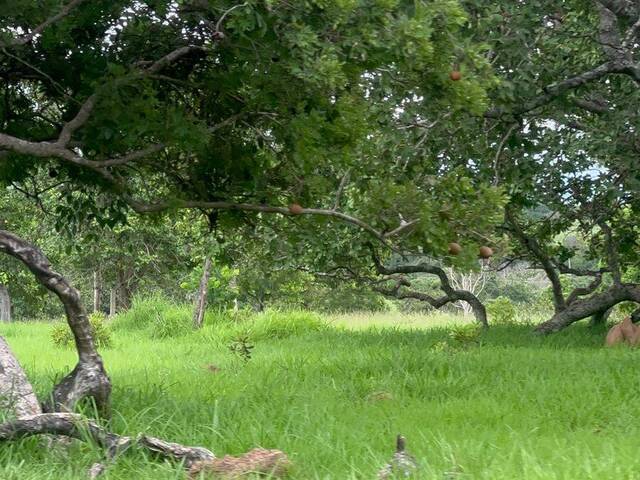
(123, 289)
(588, 307)
(97, 291)
(5, 304)
(201, 300)
(89, 378)
(112, 302)
(600, 318)
(16, 392)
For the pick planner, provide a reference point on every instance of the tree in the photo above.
(231, 109)
(561, 135)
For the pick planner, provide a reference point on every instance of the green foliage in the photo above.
(501, 311)
(143, 313)
(465, 335)
(242, 348)
(61, 335)
(543, 388)
(159, 317)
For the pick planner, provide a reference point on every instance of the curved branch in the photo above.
(450, 294)
(81, 428)
(88, 378)
(582, 291)
(532, 245)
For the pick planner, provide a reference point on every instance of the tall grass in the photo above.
(333, 397)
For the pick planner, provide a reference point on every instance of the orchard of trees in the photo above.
(321, 155)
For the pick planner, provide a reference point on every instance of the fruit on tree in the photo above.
(454, 248)
(295, 209)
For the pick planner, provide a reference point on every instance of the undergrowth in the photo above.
(511, 405)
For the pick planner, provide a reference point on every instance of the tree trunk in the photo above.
(201, 300)
(112, 302)
(5, 304)
(97, 290)
(124, 290)
(600, 318)
(479, 310)
(590, 306)
(89, 378)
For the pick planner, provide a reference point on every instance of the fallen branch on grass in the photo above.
(30, 421)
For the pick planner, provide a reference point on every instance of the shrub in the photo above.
(143, 313)
(62, 337)
(501, 311)
(172, 322)
(465, 335)
(272, 324)
(277, 324)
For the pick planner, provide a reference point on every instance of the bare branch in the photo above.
(224, 15)
(78, 121)
(403, 226)
(496, 160)
(582, 291)
(592, 106)
(631, 34)
(129, 157)
(451, 294)
(341, 187)
(612, 253)
(620, 7)
(532, 245)
(172, 57)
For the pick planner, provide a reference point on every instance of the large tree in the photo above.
(234, 110)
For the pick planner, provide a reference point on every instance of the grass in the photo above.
(515, 406)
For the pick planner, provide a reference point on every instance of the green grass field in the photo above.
(514, 406)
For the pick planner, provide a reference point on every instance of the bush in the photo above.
(465, 335)
(501, 311)
(276, 324)
(161, 317)
(62, 337)
(172, 322)
(272, 324)
(143, 313)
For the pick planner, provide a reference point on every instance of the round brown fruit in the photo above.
(454, 248)
(455, 75)
(295, 209)
(486, 252)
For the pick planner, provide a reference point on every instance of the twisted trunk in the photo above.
(592, 306)
(88, 378)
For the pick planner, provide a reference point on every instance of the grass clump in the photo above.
(501, 311)
(268, 325)
(61, 334)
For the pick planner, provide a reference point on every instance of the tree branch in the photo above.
(582, 291)
(612, 253)
(556, 89)
(341, 187)
(451, 294)
(532, 245)
(496, 160)
(66, 10)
